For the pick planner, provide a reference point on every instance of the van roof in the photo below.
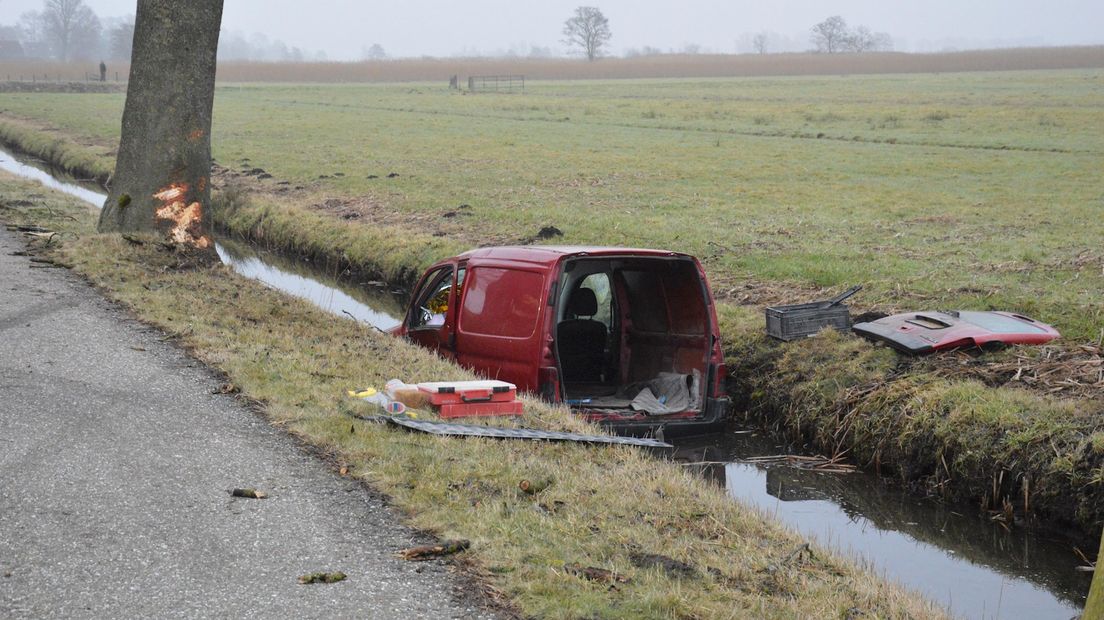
(550, 254)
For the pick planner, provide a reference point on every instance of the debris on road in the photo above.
(322, 578)
(250, 493)
(426, 552)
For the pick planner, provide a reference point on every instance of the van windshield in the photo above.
(633, 334)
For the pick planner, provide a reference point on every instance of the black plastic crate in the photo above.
(804, 320)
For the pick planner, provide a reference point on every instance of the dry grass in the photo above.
(663, 66)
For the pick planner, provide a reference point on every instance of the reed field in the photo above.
(656, 66)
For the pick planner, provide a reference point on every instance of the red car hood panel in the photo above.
(924, 332)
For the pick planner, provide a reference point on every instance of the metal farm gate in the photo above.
(496, 83)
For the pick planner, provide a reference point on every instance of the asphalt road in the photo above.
(115, 463)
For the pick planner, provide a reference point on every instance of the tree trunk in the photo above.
(162, 171)
(1094, 607)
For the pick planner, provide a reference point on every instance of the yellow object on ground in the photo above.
(361, 393)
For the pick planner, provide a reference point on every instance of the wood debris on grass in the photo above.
(592, 573)
(425, 552)
(669, 565)
(1075, 371)
(535, 485)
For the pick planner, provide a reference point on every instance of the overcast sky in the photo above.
(342, 28)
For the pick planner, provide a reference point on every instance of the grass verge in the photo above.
(58, 150)
(612, 508)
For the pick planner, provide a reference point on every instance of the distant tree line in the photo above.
(69, 30)
(833, 36)
(235, 45)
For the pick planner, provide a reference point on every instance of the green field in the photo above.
(959, 190)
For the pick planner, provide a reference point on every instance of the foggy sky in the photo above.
(342, 28)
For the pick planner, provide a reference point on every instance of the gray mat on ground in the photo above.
(475, 430)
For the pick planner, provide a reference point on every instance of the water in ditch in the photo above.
(949, 554)
(370, 303)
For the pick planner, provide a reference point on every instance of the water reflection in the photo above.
(32, 169)
(954, 557)
(371, 305)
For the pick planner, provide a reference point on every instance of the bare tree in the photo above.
(71, 29)
(120, 39)
(587, 30)
(831, 35)
(882, 42)
(163, 169)
(32, 36)
(375, 52)
(759, 43)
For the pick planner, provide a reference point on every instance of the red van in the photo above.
(626, 337)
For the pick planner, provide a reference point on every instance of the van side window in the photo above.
(432, 301)
(501, 302)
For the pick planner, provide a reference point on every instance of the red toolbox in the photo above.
(457, 399)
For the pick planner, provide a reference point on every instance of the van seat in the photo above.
(582, 342)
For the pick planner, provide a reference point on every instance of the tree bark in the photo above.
(1094, 607)
(162, 172)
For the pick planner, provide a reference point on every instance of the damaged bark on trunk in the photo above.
(162, 172)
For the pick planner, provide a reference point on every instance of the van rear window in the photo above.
(501, 302)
